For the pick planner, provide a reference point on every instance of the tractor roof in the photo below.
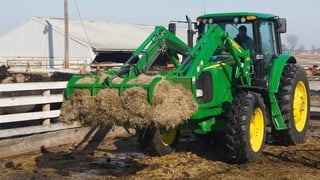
(237, 14)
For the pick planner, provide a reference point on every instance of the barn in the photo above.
(39, 42)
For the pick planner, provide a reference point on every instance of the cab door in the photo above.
(268, 50)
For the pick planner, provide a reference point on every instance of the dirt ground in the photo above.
(120, 158)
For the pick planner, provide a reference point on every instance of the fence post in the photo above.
(46, 107)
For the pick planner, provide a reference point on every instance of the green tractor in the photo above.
(242, 90)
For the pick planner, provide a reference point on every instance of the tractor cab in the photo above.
(257, 32)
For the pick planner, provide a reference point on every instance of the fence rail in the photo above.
(32, 86)
(44, 62)
(45, 114)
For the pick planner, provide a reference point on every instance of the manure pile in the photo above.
(171, 106)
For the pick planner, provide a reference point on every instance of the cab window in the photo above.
(268, 41)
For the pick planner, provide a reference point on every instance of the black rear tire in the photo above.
(294, 103)
(246, 128)
(156, 142)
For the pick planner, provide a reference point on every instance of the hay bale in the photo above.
(73, 108)
(142, 79)
(117, 80)
(102, 76)
(171, 106)
(135, 103)
(90, 80)
(86, 80)
(109, 106)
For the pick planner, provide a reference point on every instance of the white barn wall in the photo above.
(37, 39)
(41, 40)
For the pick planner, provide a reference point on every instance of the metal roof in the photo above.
(232, 14)
(106, 36)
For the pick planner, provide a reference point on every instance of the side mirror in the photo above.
(172, 27)
(281, 25)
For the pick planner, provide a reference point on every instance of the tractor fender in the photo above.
(277, 69)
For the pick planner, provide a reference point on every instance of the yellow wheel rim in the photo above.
(167, 137)
(256, 129)
(300, 106)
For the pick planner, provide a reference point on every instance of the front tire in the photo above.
(246, 128)
(294, 103)
(157, 142)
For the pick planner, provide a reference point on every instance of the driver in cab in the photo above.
(244, 40)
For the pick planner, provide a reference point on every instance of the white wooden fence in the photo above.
(46, 114)
(43, 99)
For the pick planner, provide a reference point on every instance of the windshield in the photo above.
(242, 33)
(232, 28)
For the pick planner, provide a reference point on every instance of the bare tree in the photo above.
(284, 48)
(301, 49)
(313, 49)
(292, 42)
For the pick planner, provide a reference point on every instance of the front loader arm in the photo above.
(160, 41)
(214, 38)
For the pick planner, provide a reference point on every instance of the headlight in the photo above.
(210, 21)
(205, 21)
(236, 20)
(199, 93)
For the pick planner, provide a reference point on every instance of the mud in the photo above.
(120, 157)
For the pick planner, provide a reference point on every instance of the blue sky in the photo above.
(303, 16)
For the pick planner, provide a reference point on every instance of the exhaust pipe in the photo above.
(190, 32)
(172, 28)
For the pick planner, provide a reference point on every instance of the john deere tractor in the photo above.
(241, 92)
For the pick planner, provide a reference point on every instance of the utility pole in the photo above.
(66, 35)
